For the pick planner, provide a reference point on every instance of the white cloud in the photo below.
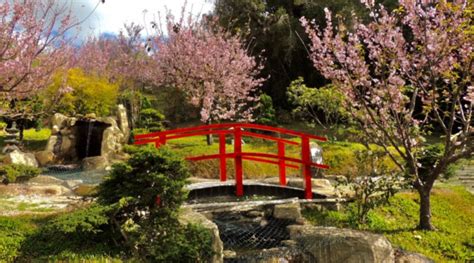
(109, 17)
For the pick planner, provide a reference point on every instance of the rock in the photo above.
(254, 214)
(55, 130)
(230, 254)
(90, 116)
(322, 183)
(94, 163)
(58, 120)
(71, 121)
(44, 157)
(85, 190)
(289, 243)
(108, 120)
(67, 144)
(49, 190)
(330, 244)
(45, 179)
(19, 157)
(290, 211)
(408, 257)
(123, 122)
(52, 141)
(111, 142)
(72, 184)
(188, 216)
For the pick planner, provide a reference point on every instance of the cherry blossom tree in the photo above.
(211, 66)
(34, 42)
(403, 74)
(122, 60)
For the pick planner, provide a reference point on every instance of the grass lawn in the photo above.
(453, 216)
(19, 242)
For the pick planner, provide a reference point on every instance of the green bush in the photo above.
(18, 172)
(151, 120)
(265, 113)
(146, 193)
(13, 232)
(3, 125)
(83, 233)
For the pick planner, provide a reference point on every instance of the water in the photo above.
(89, 132)
(76, 173)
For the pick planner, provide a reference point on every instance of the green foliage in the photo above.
(13, 232)
(174, 104)
(311, 103)
(373, 184)
(3, 125)
(75, 92)
(84, 233)
(151, 119)
(146, 193)
(453, 216)
(265, 113)
(18, 172)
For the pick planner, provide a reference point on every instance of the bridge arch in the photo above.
(237, 131)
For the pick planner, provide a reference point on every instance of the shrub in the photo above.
(151, 119)
(146, 193)
(373, 184)
(85, 231)
(12, 173)
(265, 113)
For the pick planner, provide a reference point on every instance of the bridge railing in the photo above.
(237, 131)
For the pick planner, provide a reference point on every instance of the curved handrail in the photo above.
(210, 127)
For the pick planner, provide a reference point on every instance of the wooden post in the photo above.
(223, 166)
(238, 161)
(281, 162)
(306, 158)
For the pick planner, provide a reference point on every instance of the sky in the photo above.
(110, 16)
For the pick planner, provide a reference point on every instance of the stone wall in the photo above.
(67, 134)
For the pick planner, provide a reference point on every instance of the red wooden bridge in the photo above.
(237, 131)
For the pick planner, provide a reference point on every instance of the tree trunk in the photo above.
(425, 208)
(209, 138)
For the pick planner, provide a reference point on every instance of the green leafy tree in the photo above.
(323, 106)
(75, 92)
(272, 28)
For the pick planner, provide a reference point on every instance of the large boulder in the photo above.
(122, 120)
(44, 157)
(111, 142)
(94, 163)
(290, 211)
(19, 157)
(334, 245)
(52, 142)
(188, 216)
(58, 120)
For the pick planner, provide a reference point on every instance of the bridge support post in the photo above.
(239, 191)
(281, 162)
(306, 158)
(223, 166)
